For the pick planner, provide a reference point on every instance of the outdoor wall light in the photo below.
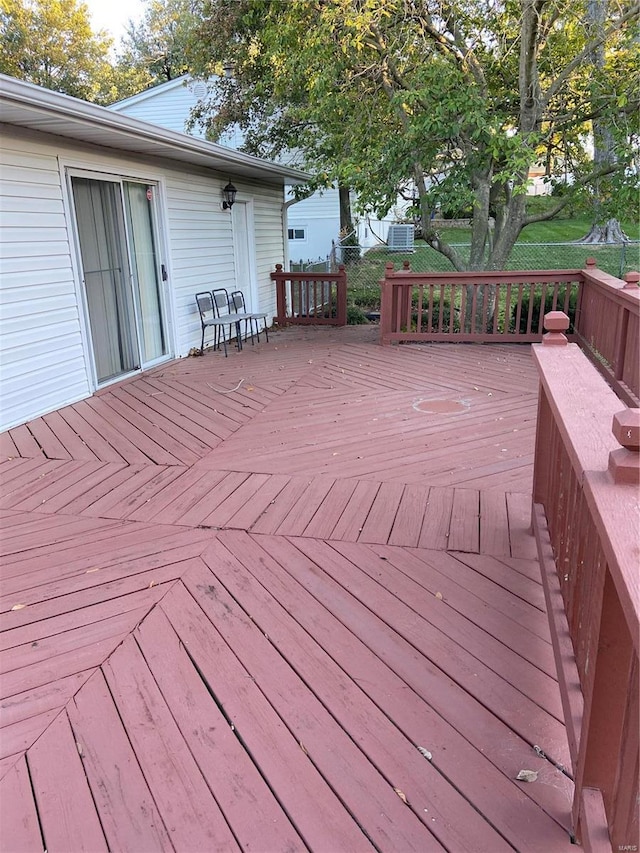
(229, 195)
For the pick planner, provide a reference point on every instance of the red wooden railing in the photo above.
(304, 298)
(586, 521)
(508, 307)
(494, 306)
(607, 328)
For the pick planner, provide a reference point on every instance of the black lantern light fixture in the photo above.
(229, 194)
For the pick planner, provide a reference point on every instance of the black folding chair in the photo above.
(213, 307)
(237, 304)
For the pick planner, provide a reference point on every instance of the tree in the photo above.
(455, 99)
(157, 47)
(50, 43)
(603, 143)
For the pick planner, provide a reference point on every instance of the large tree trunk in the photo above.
(603, 146)
(348, 236)
(610, 232)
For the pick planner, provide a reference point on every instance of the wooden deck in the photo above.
(282, 601)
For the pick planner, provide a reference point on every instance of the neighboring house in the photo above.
(110, 225)
(313, 224)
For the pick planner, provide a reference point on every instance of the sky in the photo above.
(113, 15)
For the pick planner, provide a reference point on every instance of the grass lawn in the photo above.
(555, 231)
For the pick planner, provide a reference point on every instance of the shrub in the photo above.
(355, 316)
(548, 306)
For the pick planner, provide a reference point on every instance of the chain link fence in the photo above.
(364, 274)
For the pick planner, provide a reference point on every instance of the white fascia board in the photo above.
(30, 106)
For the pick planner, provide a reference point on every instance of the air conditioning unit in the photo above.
(400, 238)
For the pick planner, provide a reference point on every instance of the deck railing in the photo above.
(499, 306)
(304, 298)
(585, 517)
(607, 328)
(509, 307)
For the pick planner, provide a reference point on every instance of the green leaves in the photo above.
(50, 43)
(461, 98)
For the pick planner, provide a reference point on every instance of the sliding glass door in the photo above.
(121, 274)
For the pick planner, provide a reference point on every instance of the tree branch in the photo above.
(586, 52)
(587, 179)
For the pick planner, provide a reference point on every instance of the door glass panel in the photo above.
(145, 269)
(103, 252)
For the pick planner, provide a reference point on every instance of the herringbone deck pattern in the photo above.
(286, 600)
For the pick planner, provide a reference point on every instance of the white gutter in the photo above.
(23, 104)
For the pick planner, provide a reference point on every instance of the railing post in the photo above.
(589, 265)
(605, 710)
(387, 321)
(341, 296)
(555, 322)
(281, 300)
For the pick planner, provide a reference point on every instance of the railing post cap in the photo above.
(388, 267)
(631, 280)
(278, 267)
(624, 463)
(626, 428)
(406, 265)
(591, 262)
(555, 323)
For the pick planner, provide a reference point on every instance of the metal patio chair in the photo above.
(237, 304)
(226, 315)
(213, 308)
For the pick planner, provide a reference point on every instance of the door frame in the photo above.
(254, 295)
(108, 173)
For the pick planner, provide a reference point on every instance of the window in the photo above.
(297, 234)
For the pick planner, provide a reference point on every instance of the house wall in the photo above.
(42, 363)
(170, 104)
(319, 216)
(44, 345)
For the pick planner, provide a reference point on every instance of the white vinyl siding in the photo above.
(42, 363)
(44, 353)
(201, 248)
(169, 107)
(201, 241)
(269, 237)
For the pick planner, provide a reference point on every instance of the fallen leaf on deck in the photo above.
(303, 748)
(18, 606)
(250, 388)
(92, 570)
(439, 596)
(425, 752)
(401, 795)
(527, 776)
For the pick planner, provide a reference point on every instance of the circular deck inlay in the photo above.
(441, 407)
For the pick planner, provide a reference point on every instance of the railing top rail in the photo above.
(307, 276)
(618, 290)
(284, 275)
(405, 276)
